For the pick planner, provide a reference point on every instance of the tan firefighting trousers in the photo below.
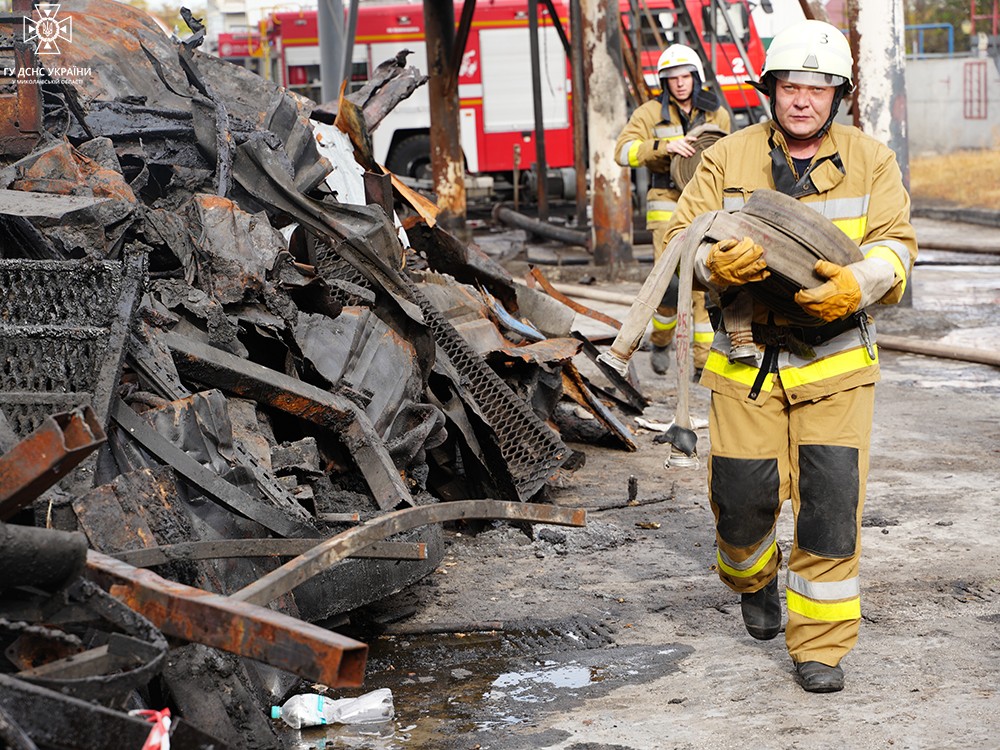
(665, 317)
(817, 454)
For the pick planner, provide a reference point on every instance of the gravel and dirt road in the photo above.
(619, 636)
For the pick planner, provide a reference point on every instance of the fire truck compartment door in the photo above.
(507, 92)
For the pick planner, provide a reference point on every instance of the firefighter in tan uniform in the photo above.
(657, 131)
(799, 425)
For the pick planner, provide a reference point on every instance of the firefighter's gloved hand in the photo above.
(735, 262)
(835, 299)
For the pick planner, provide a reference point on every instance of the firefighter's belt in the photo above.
(661, 181)
(791, 336)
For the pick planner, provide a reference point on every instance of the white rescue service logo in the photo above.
(48, 29)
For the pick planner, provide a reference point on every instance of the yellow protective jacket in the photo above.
(638, 146)
(867, 201)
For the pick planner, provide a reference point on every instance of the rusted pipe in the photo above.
(944, 351)
(540, 228)
(959, 247)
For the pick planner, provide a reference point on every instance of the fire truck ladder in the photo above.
(688, 34)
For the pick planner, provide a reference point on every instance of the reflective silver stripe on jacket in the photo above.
(625, 153)
(763, 549)
(824, 591)
(670, 132)
(661, 206)
(901, 251)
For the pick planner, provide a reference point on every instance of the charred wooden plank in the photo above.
(336, 548)
(221, 548)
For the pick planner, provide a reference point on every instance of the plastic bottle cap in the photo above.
(275, 712)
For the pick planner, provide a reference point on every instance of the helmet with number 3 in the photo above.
(811, 53)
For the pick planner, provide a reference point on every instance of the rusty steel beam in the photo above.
(21, 108)
(220, 369)
(239, 627)
(336, 548)
(45, 456)
(146, 557)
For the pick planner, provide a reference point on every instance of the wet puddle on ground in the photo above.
(462, 690)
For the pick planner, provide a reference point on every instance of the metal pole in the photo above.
(442, 90)
(352, 25)
(579, 112)
(610, 190)
(330, 18)
(541, 168)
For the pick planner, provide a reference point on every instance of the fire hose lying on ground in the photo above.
(793, 236)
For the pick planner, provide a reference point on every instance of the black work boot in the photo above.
(762, 611)
(817, 677)
(660, 359)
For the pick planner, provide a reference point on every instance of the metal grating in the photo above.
(530, 448)
(62, 332)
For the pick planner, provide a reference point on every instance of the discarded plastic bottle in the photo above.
(311, 709)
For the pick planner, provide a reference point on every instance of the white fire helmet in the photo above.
(810, 53)
(678, 59)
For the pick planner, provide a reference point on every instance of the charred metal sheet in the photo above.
(336, 548)
(47, 207)
(44, 558)
(311, 652)
(214, 549)
(528, 451)
(276, 519)
(53, 720)
(212, 366)
(575, 388)
(358, 350)
(634, 399)
(572, 304)
(20, 95)
(63, 335)
(126, 650)
(45, 456)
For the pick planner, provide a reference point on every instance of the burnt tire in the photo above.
(411, 157)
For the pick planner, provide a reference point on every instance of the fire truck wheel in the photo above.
(412, 157)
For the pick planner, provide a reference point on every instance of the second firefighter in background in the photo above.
(656, 132)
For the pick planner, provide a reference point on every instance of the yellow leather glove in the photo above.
(734, 262)
(837, 298)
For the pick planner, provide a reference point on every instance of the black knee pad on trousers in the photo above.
(670, 293)
(828, 489)
(746, 492)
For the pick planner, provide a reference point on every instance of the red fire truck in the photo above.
(495, 90)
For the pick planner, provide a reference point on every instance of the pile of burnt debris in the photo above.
(245, 379)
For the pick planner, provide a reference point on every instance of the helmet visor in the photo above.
(678, 70)
(809, 78)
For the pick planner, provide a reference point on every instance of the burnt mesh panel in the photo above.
(63, 326)
(531, 449)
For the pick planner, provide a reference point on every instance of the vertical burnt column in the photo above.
(610, 191)
(442, 88)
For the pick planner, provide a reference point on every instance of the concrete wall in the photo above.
(952, 104)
